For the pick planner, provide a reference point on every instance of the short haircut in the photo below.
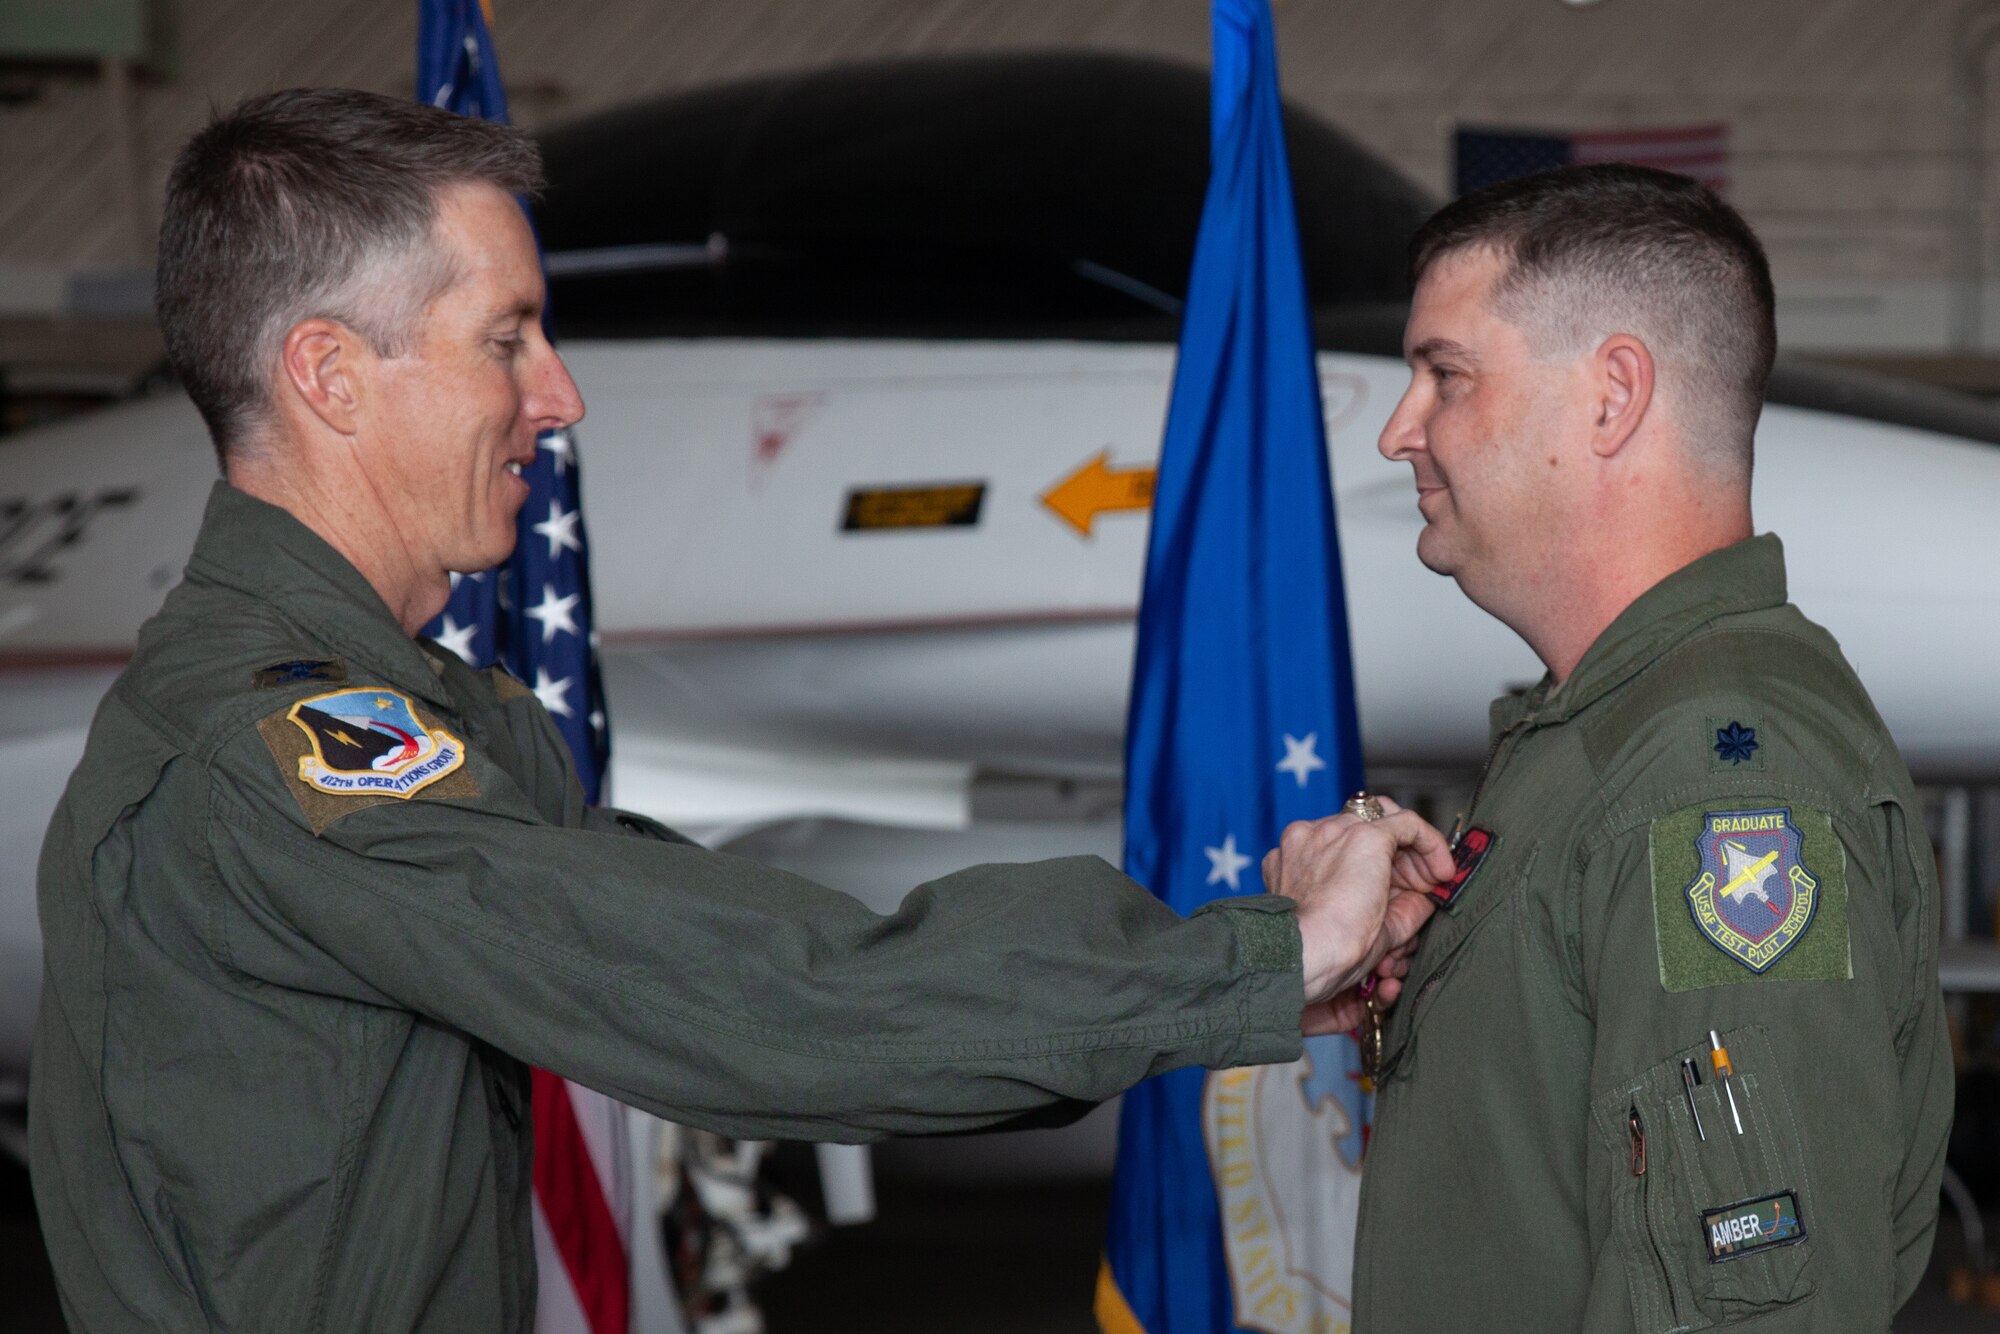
(311, 203)
(1599, 250)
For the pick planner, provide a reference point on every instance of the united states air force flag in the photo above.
(1234, 1202)
(532, 615)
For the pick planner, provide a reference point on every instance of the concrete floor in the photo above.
(991, 1258)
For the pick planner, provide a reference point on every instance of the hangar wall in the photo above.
(1848, 149)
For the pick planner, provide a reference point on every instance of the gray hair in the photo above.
(1594, 251)
(311, 203)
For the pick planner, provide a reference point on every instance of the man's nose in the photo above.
(1403, 434)
(554, 401)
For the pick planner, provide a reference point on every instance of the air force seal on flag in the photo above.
(1766, 886)
(370, 741)
(1285, 1144)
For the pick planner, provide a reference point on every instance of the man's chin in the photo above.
(490, 553)
(1435, 552)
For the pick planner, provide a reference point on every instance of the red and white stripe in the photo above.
(1700, 151)
(593, 1220)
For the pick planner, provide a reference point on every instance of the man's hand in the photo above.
(1363, 892)
(1344, 1011)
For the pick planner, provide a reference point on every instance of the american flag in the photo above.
(533, 615)
(1486, 156)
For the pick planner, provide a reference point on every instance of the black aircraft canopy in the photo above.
(991, 196)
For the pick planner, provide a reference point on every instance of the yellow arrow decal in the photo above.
(1098, 488)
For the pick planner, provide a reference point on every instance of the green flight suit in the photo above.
(278, 1079)
(1535, 1163)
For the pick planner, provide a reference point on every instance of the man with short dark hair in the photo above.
(1673, 1055)
(317, 889)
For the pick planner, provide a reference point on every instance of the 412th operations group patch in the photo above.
(345, 750)
(1748, 891)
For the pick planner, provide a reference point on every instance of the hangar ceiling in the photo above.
(1846, 148)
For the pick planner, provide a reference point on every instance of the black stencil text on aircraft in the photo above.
(36, 531)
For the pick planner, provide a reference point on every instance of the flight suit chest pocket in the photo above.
(1447, 941)
(1713, 1223)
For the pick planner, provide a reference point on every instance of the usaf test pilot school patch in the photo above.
(1743, 891)
(349, 749)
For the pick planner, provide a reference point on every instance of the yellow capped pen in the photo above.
(1718, 1056)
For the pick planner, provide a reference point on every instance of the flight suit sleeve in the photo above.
(722, 994)
(1800, 1192)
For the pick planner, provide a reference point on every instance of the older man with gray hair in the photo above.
(317, 890)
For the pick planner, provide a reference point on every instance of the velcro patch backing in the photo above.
(1731, 1231)
(1747, 889)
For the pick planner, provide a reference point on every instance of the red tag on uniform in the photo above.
(1467, 854)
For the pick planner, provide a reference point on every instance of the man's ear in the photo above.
(325, 366)
(1623, 384)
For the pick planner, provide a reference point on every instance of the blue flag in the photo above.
(456, 67)
(532, 614)
(1233, 1204)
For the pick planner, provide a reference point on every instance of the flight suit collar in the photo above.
(1743, 577)
(260, 549)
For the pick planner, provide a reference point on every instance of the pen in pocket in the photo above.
(1688, 1080)
(1719, 1057)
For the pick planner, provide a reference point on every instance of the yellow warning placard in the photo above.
(940, 505)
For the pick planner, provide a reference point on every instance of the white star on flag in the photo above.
(457, 638)
(1226, 863)
(560, 529)
(554, 612)
(558, 444)
(1301, 757)
(552, 693)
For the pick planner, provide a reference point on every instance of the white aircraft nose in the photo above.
(1890, 544)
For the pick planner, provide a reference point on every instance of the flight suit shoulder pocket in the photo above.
(1711, 1210)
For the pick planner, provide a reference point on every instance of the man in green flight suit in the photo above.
(317, 889)
(1694, 824)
